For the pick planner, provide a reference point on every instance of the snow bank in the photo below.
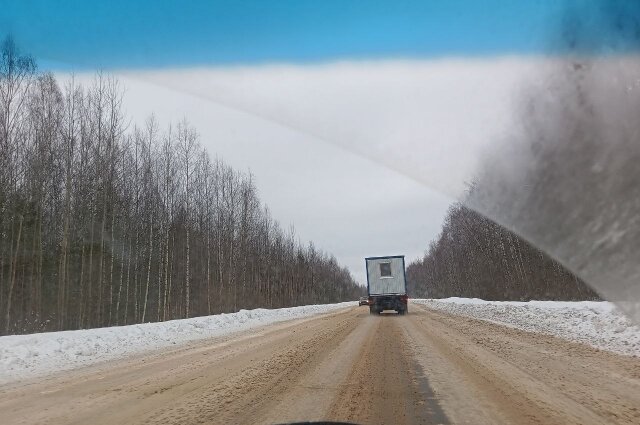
(26, 356)
(596, 323)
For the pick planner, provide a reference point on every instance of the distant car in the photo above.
(363, 301)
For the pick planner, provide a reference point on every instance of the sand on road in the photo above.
(423, 368)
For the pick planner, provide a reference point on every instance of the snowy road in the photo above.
(427, 367)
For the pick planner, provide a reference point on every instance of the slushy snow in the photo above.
(596, 323)
(34, 355)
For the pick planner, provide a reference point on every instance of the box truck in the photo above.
(386, 284)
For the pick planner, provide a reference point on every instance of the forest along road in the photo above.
(426, 367)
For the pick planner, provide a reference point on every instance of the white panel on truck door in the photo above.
(386, 275)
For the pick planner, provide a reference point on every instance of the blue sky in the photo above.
(161, 33)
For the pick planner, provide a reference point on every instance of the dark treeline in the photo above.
(477, 258)
(103, 223)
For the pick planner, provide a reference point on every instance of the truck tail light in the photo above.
(404, 298)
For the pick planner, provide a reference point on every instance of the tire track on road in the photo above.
(386, 384)
(489, 373)
(427, 367)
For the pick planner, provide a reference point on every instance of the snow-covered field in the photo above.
(597, 323)
(26, 356)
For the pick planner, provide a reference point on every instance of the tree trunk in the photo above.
(113, 256)
(146, 291)
(119, 295)
(12, 282)
(188, 281)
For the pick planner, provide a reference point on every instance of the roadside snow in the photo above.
(27, 356)
(596, 323)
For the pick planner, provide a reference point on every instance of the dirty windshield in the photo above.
(275, 212)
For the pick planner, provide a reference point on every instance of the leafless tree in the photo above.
(102, 224)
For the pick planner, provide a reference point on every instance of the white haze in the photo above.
(363, 158)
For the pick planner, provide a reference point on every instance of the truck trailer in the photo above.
(387, 284)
